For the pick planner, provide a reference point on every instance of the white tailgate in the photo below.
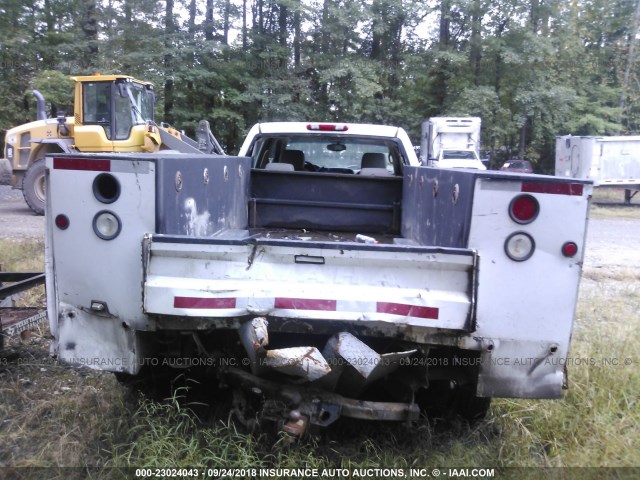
(414, 286)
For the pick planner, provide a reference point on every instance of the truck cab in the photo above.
(329, 148)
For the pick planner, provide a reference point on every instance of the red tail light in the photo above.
(569, 249)
(62, 222)
(524, 209)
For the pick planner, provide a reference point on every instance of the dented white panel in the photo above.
(526, 309)
(430, 290)
(84, 269)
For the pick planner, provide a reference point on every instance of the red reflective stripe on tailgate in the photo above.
(305, 304)
(407, 310)
(91, 165)
(203, 303)
(566, 188)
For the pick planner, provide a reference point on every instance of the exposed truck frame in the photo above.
(320, 291)
(607, 161)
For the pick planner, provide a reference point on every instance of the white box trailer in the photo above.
(608, 161)
(451, 142)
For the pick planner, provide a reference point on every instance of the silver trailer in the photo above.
(607, 161)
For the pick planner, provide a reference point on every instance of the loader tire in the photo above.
(33, 186)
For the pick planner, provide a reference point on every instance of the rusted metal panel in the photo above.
(355, 364)
(303, 362)
(320, 406)
(521, 369)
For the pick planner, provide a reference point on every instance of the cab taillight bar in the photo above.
(327, 127)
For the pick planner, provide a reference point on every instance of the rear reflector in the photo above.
(327, 127)
(305, 304)
(556, 188)
(285, 303)
(91, 165)
(408, 310)
(204, 303)
(62, 222)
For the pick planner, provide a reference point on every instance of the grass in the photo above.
(50, 414)
(612, 195)
(53, 415)
(609, 203)
(617, 211)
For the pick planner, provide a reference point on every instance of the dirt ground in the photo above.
(613, 242)
(17, 221)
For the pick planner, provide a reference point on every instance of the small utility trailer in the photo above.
(16, 320)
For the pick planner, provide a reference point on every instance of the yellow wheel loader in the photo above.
(112, 113)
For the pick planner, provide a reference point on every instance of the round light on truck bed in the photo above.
(524, 209)
(569, 249)
(519, 246)
(62, 221)
(106, 225)
(106, 188)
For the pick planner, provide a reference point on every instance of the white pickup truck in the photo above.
(322, 272)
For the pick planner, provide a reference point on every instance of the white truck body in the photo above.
(259, 270)
(451, 142)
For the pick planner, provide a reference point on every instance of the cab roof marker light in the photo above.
(327, 127)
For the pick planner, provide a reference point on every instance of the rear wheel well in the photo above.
(44, 149)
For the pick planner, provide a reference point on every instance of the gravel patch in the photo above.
(17, 221)
(5, 172)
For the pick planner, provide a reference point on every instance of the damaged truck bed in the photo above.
(314, 284)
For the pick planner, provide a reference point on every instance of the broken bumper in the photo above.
(319, 407)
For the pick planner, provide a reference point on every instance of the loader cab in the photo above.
(111, 112)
